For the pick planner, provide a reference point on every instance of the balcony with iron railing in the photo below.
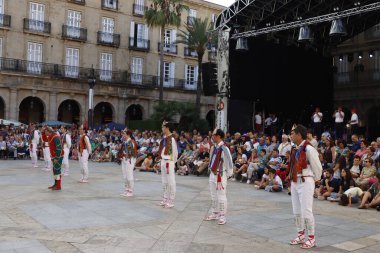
(112, 5)
(57, 71)
(190, 53)
(36, 26)
(74, 33)
(190, 20)
(108, 39)
(139, 10)
(138, 44)
(5, 21)
(81, 2)
(360, 77)
(168, 48)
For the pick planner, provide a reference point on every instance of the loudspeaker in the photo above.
(209, 79)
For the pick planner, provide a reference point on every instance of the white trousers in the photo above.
(302, 201)
(218, 194)
(83, 160)
(127, 167)
(65, 161)
(33, 153)
(47, 158)
(168, 180)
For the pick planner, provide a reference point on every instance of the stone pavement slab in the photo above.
(94, 218)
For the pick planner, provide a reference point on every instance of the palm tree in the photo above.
(162, 13)
(196, 37)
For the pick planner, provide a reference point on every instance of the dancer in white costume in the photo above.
(84, 152)
(46, 149)
(221, 168)
(303, 170)
(128, 162)
(66, 140)
(168, 153)
(34, 140)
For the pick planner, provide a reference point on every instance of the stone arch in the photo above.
(69, 111)
(31, 109)
(2, 108)
(134, 112)
(373, 122)
(103, 113)
(210, 117)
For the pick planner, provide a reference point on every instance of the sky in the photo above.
(222, 2)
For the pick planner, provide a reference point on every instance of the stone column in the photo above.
(53, 111)
(13, 105)
(223, 80)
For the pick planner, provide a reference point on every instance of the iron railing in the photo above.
(190, 20)
(169, 48)
(190, 53)
(80, 74)
(110, 4)
(358, 78)
(37, 26)
(74, 33)
(81, 2)
(139, 44)
(108, 39)
(139, 10)
(5, 20)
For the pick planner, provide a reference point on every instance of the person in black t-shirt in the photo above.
(329, 186)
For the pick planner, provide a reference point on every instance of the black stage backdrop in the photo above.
(287, 80)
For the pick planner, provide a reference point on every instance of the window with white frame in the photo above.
(169, 73)
(108, 27)
(112, 4)
(136, 71)
(213, 18)
(1, 11)
(170, 38)
(191, 76)
(36, 16)
(72, 62)
(342, 65)
(34, 58)
(192, 16)
(139, 35)
(73, 23)
(139, 7)
(105, 67)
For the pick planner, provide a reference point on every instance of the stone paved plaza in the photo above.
(94, 218)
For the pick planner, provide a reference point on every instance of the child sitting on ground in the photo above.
(350, 196)
(264, 179)
(274, 182)
(182, 169)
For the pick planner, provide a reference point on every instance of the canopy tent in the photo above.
(10, 122)
(54, 123)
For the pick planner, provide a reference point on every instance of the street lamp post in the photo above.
(91, 84)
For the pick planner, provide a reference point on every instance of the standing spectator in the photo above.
(267, 125)
(354, 122)
(258, 122)
(273, 126)
(317, 122)
(339, 123)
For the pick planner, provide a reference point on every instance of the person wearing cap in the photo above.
(56, 152)
(34, 141)
(317, 121)
(303, 170)
(128, 162)
(168, 153)
(221, 168)
(339, 122)
(46, 150)
(84, 152)
(66, 140)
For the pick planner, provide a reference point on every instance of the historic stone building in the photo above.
(357, 81)
(48, 49)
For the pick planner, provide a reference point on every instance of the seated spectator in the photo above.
(264, 179)
(147, 164)
(74, 153)
(285, 146)
(367, 173)
(311, 139)
(341, 149)
(12, 147)
(274, 182)
(356, 167)
(202, 161)
(346, 183)
(247, 173)
(239, 165)
(275, 161)
(256, 167)
(283, 166)
(329, 186)
(370, 154)
(105, 156)
(363, 149)
(182, 169)
(339, 165)
(3, 148)
(371, 197)
(350, 196)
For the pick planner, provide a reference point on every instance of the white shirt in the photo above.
(258, 119)
(338, 117)
(174, 155)
(36, 137)
(248, 146)
(314, 166)
(317, 117)
(283, 148)
(278, 180)
(355, 169)
(68, 141)
(268, 121)
(354, 119)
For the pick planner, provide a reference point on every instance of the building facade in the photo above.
(48, 49)
(357, 78)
